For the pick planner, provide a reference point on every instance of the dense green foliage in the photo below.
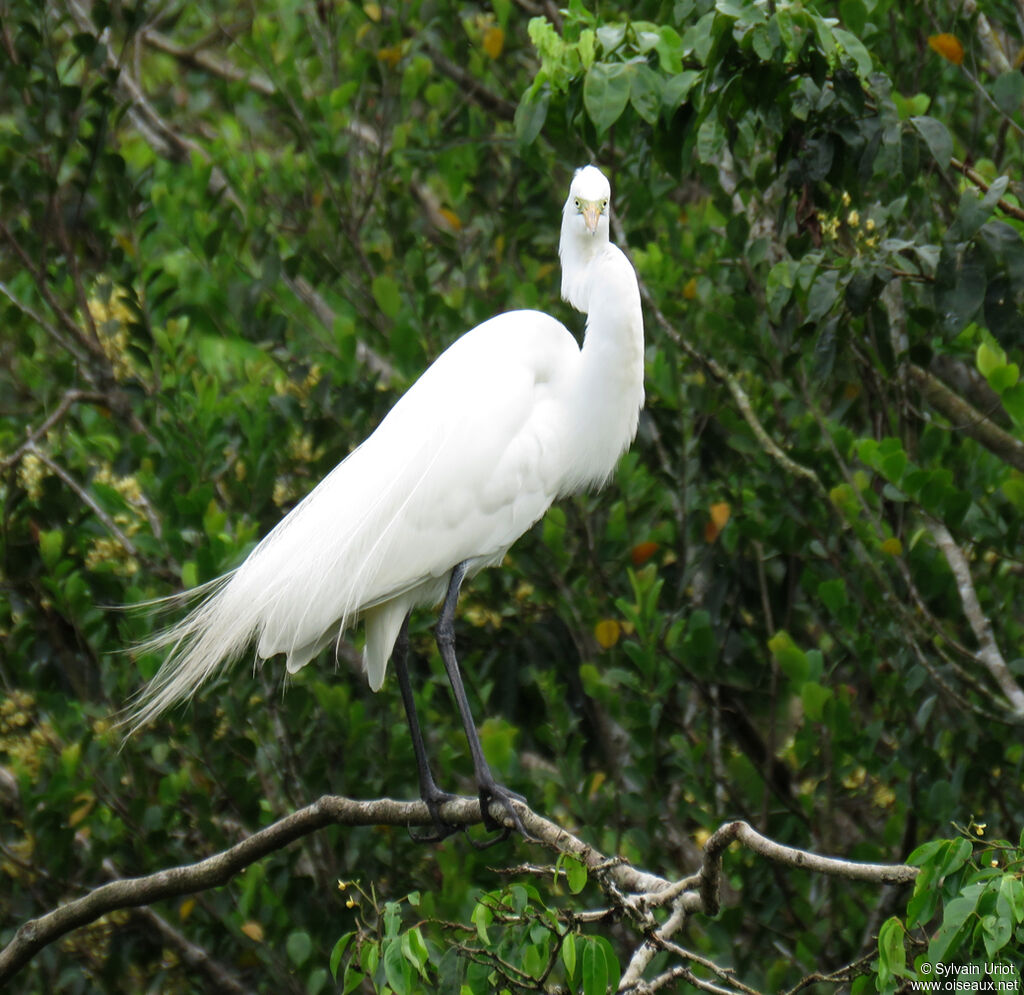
(231, 236)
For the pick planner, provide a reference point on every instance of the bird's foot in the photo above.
(434, 799)
(491, 791)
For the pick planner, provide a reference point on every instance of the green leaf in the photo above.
(996, 932)
(611, 962)
(414, 948)
(353, 979)
(1010, 900)
(531, 114)
(892, 955)
(299, 946)
(670, 49)
(701, 36)
(1002, 378)
(814, 697)
(833, 595)
(855, 49)
(397, 969)
(51, 543)
(599, 966)
(482, 918)
(823, 295)
(568, 953)
(711, 138)
(593, 968)
(957, 921)
(387, 295)
(678, 88)
(958, 853)
(936, 137)
(1012, 399)
(611, 36)
(338, 951)
(974, 211)
(575, 873)
(989, 358)
(926, 853)
(645, 93)
(606, 90)
(790, 657)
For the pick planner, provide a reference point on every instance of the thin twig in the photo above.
(71, 398)
(58, 471)
(982, 184)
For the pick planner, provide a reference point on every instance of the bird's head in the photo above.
(586, 207)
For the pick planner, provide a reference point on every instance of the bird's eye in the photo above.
(604, 204)
(579, 206)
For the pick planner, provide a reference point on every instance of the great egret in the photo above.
(510, 417)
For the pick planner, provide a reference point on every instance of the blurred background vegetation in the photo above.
(232, 234)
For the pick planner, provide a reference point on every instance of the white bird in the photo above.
(513, 415)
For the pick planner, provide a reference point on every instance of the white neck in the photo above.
(598, 279)
(576, 250)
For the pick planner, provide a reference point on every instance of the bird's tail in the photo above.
(216, 632)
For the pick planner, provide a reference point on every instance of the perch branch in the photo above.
(216, 870)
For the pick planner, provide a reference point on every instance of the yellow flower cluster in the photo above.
(23, 738)
(111, 317)
(31, 472)
(301, 449)
(864, 234)
(108, 549)
(284, 385)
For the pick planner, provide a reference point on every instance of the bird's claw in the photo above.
(494, 792)
(442, 830)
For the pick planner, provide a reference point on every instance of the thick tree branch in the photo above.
(634, 891)
(968, 419)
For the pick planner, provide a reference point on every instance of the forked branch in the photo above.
(636, 891)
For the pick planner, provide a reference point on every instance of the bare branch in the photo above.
(742, 832)
(988, 649)
(645, 888)
(35, 934)
(968, 419)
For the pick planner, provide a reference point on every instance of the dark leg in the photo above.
(429, 791)
(490, 790)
